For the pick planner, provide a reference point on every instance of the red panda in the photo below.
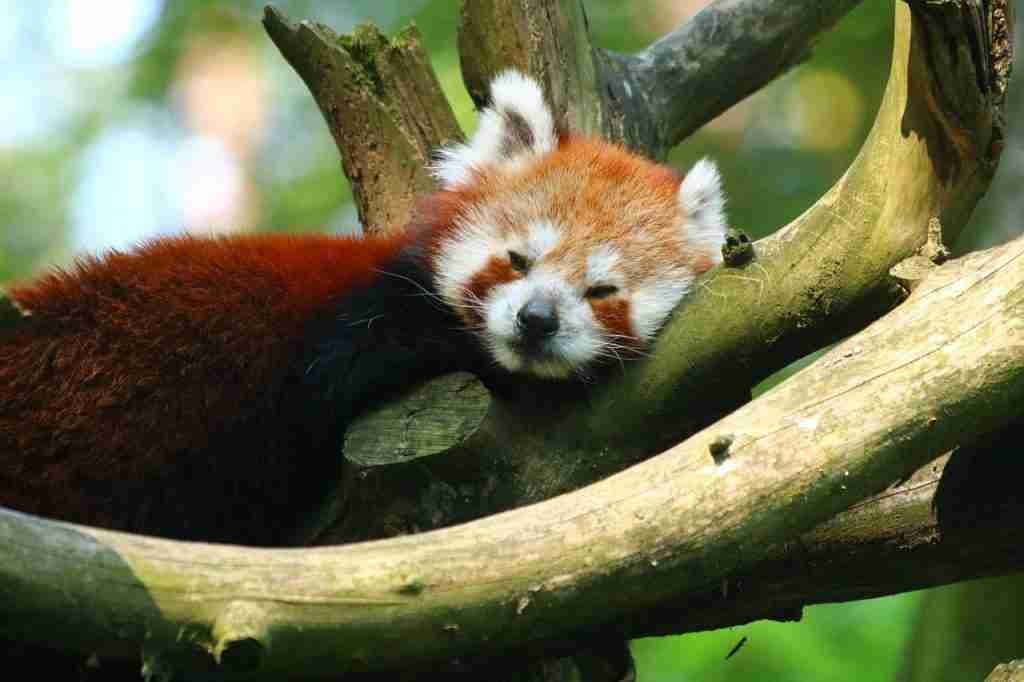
(198, 388)
(562, 250)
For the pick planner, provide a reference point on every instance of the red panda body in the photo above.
(199, 388)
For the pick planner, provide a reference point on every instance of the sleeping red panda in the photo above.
(198, 388)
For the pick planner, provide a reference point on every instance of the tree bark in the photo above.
(928, 159)
(949, 362)
(383, 104)
(1007, 672)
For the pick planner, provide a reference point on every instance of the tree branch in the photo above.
(729, 50)
(954, 519)
(928, 159)
(549, 40)
(948, 362)
(1007, 672)
(383, 104)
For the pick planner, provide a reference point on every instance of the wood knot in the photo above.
(738, 249)
(719, 447)
(240, 637)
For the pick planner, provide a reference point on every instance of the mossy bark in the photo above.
(383, 104)
(1007, 672)
(949, 362)
(826, 275)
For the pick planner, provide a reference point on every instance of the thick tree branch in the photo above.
(928, 159)
(382, 103)
(654, 99)
(947, 363)
(546, 38)
(1007, 672)
(956, 518)
(710, 58)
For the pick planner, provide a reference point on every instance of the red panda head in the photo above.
(560, 250)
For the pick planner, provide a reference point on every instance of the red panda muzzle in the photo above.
(537, 320)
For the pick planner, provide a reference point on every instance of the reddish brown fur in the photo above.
(600, 192)
(613, 314)
(153, 355)
(437, 212)
(498, 271)
(597, 193)
(110, 360)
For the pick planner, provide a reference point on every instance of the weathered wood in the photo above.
(954, 519)
(817, 280)
(397, 484)
(430, 419)
(727, 51)
(547, 39)
(654, 99)
(948, 363)
(1007, 672)
(383, 104)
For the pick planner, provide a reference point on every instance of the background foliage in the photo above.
(153, 116)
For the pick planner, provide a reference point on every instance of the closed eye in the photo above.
(602, 291)
(519, 262)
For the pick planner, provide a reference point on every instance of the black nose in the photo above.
(537, 319)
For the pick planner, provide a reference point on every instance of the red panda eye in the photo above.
(518, 261)
(602, 291)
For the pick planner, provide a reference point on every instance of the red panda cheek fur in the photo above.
(614, 316)
(496, 272)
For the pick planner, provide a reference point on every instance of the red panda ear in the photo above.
(703, 203)
(517, 125)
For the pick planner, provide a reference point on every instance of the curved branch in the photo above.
(956, 518)
(949, 362)
(1007, 672)
(926, 162)
(710, 59)
(928, 159)
(727, 51)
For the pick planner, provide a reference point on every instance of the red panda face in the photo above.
(562, 251)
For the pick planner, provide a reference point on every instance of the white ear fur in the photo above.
(515, 126)
(703, 201)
